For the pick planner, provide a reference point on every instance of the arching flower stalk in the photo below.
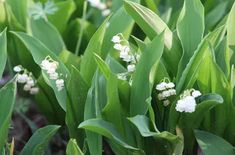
(25, 77)
(51, 66)
(127, 55)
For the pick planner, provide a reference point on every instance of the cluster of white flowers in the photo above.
(26, 78)
(40, 11)
(50, 66)
(125, 53)
(187, 102)
(167, 90)
(101, 6)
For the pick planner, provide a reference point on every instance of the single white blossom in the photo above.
(116, 39)
(160, 96)
(30, 82)
(45, 64)
(22, 78)
(27, 87)
(131, 68)
(166, 103)
(94, 3)
(122, 76)
(161, 86)
(54, 76)
(118, 47)
(196, 93)
(170, 85)
(106, 12)
(101, 6)
(60, 84)
(172, 92)
(17, 68)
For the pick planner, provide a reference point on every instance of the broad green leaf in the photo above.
(72, 148)
(77, 94)
(150, 23)
(190, 25)
(70, 59)
(7, 95)
(215, 15)
(120, 22)
(143, 124)
(53, 42)
(3, 51)
(11, 11)
(210, 75)
(92, 110)
(142, 78)
(47, 103)
(94, 46)
(113, 106)
(153, 25)
(73, 31)
(39, 53)
(106, 129)
(190, 29)
(37, 144)
(230, 28)
(61, 17)
(213, 145)
(212, 79)
(190, 73)
(19, 9)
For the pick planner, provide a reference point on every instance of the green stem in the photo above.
(81, 28)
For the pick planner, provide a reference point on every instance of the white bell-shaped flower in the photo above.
(116, 39)
(131, 68)
(196, 93)
(60, 84)
(187, 104)
(17, 68)
(22, 78)
(34, 90)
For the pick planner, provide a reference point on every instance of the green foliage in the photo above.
(112, 66)
(6, 105)
(72, 148)
(39, 141)
(213, 145)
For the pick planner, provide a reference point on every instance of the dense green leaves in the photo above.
(94, 46)
(151, 23)
(3, 51)
(143, 76)
(53, 41)
(39, 141)
(106, 129)
(190, 73)
(61, 17)
(39, 53)
(213, 145)
(7, 95)
(77, 93)
(190, 29)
